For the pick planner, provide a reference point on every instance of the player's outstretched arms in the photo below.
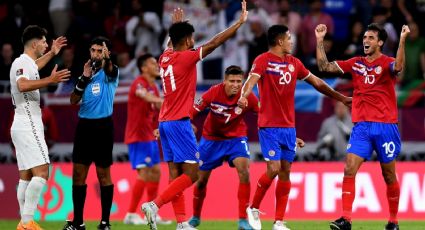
(25, 85)
(221, 37)
(399, 59)
(322, 60)
(247, 89)
(325, 89)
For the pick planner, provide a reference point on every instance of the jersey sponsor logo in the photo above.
(378, 70)
(19, 72)
(95, 89)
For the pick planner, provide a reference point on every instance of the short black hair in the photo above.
(33, 32)
(382, 33)
(274, 32)
(233, 70)
(142, 59)
(100, 40)
(179, 31)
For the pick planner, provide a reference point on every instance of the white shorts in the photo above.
(31, 148)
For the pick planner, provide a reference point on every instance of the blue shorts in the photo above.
(143, 154)
(384, 138)
(278, 143)
(178, 141)
(213, 153)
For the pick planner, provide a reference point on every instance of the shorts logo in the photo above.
(272, 153)
(95, 89)
(348, 146)
(378, 70)
(19, 72)
(148, 160)
(238, 110)
(197, 155)
(291, 67)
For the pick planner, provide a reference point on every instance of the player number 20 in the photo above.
(286, 78)
(389, 148)
(170, 74)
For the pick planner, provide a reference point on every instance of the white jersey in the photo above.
(27, 104)
(27, 130)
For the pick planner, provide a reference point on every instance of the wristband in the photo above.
(81, 85)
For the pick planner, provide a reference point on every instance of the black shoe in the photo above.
(104, 226)
(340, 224)
(391, 226)
(70, 226)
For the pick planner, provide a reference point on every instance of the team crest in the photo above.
(19, 72)
(378, 70)
(291, 67)
(272, 153)
(238, 110)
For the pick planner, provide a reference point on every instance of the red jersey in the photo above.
(225, 119)
(142, 116)
(278, 78)
(374, 97)
(178, 74)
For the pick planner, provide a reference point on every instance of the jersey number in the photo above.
(286, 78)
(389, 148)
(369, 79)
(170, 74)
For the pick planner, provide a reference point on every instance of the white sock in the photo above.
(20, 193)
(32, 196)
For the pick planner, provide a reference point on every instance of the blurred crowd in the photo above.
(140, 26)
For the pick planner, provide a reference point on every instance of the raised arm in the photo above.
(247, 89)
(148, 97)
(57, 45)
(399, 58)
(322, 60)
(221, 37)
(325, 89)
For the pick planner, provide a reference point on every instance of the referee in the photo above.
(93, 140)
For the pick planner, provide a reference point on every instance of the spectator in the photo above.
(413, 10)
(127, 66)
(354, 46)
(415, 57)
(13, 26)
(334, 134)
(308, 25)
(60, 15)
(380, 16)
(6, 59)
(270, 6)
(115, 28)
(66, 61)
(142, 32)
(340, 11)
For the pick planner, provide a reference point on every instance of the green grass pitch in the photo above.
(232, 225)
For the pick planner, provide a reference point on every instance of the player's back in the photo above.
(178, 74)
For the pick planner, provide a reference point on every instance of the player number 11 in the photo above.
(168, 73)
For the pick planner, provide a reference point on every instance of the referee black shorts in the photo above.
(93, 142)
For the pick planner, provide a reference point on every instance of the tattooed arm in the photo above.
(322, 60)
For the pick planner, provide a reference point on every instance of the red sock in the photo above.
(152, 187)
(393, 196)
(136, 195)
(198, 200)
(282, 194)
(348, 194)
(262, 186)
(179, 207)
(177, 186)
(244, 191)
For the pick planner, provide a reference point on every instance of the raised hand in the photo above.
(320, 31)
(177, 15)
(87, 72)
(59, 76)
(105, 51)
(58, 43)
(404, 31)
(244, 13)
(243, 102)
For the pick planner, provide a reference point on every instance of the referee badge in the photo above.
(272, 153)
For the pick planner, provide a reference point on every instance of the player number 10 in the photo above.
(168, 73)
(389, 148)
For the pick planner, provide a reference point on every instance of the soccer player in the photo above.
(94, 136)
(277, 72)
(374, 113)
(178, 73)
(27, 129)
(224, 137)
(143, 107)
